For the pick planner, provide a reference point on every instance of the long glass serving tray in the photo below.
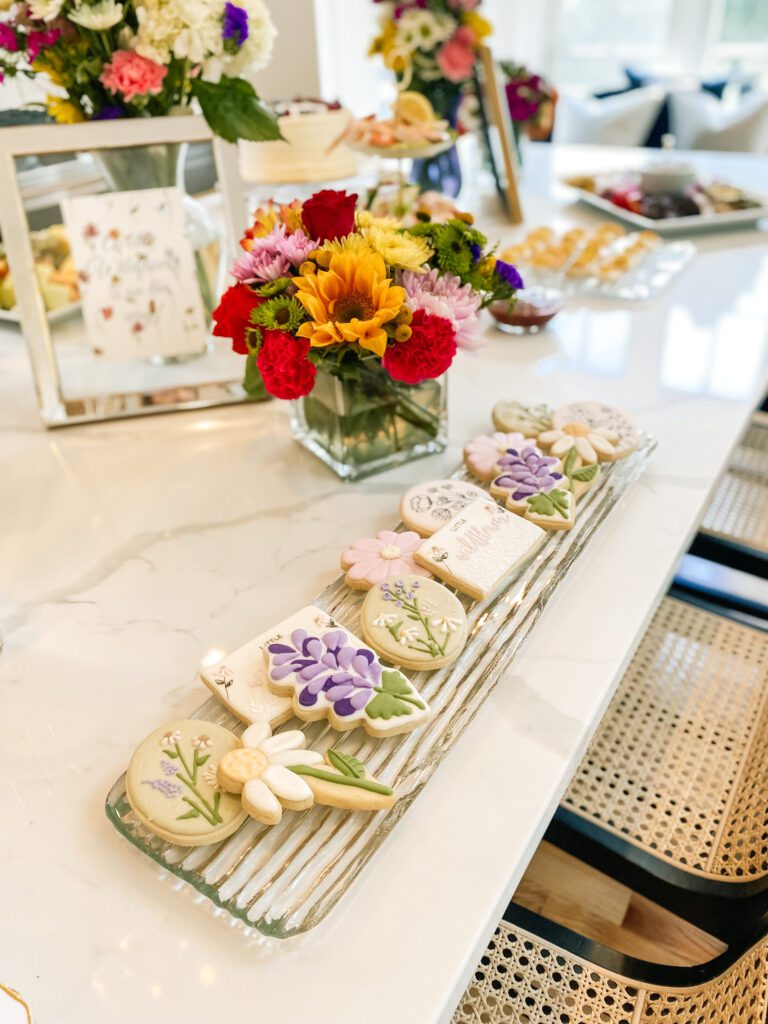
(285, 879)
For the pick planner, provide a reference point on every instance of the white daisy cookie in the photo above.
(601, 418)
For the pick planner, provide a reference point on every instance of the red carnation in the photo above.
(329, 214)
(428, 352)
(233, 315)
(284, 367)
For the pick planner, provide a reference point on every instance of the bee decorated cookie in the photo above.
(172, 783)
(427, 507)
(414, 622)
(329, 673)
(480, 548)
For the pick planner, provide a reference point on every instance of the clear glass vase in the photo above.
(368, 425)
(161, 165)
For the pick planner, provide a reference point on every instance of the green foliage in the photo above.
(234, 111)
(253, 383)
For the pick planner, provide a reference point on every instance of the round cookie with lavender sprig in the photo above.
(427, 507)
(414, 622)
(530, 420)
(372, 560)
(481, 454)
(533, 486)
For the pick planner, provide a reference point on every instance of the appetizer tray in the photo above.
(285, 879)
(678, 225)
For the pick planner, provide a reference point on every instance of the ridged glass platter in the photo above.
(285, 879)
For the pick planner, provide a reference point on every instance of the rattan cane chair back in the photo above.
(738, 512)
(523, 980)
(679, 764)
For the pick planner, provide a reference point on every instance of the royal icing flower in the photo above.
(407, 635)
(260, 770)
(202, 742)
(446, 625)
(482, 454)
(378, 558)
(170, 738)
(527, 472)
(591, 443)
(384, 621)
(210, 775)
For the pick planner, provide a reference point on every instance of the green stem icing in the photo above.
(341, 780)
(401, 696)
(209, 811)
(432, 646)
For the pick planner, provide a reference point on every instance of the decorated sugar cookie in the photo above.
(172, 785)
(481, 454)
(276, 773)
(427, 507)
(590, 443)
(329, 673)
(379, 558)
(552, 510)
(529, 420)
(240, 683)
(414, 622)
(580, 477)
(524, 473)
(480, 548)
(601, 417)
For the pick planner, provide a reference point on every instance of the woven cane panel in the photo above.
(521, 980)
(677, 765)
(751, 455)
(739, 511)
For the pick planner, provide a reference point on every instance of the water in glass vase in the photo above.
(368, 425)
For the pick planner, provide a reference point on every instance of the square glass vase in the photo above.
(368, 425)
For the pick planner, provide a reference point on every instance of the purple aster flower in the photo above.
(234, 24)
(273, 255)
(508, 274)
(476, 250)
(109, 113)
(527, 473)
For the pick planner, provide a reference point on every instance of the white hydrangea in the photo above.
(256, 52)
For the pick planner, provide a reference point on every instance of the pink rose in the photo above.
(457, 57)
(133, 75)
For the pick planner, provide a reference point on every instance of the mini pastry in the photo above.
(329, 673)
(379, 558)
(172, 787)
(530, 420)
(481, 454)
(427, 507)
(480, 549)
(413, 622)
(602, 418)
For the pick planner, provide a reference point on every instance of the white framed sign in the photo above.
(137, 341)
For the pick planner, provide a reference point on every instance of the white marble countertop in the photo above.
(130, 549)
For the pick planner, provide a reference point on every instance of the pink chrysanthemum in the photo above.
(273, 255)
(444, 295)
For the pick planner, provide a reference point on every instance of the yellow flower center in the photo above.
(243, 764)
(390, 552)
(577, 429)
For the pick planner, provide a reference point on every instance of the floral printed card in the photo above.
(136, 272)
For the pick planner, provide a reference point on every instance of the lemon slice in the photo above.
(414, 108)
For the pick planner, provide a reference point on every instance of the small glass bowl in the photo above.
(530, 313)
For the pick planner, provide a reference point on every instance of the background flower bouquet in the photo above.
(531, 100)
(358, 318)
(110, 59)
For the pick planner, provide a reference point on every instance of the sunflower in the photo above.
(349, 301)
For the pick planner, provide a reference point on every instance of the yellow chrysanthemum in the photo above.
(350, 301)
(365, 219)
(406, 252)
(479, 25)
(347, 243)
(63, 111)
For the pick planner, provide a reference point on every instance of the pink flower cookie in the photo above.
(375, 559)
(481, 454)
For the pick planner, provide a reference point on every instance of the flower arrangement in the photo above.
(325, 287)
(531, 98)
(122, 58)
(431, 46)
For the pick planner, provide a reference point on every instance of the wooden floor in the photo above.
(562, 889)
